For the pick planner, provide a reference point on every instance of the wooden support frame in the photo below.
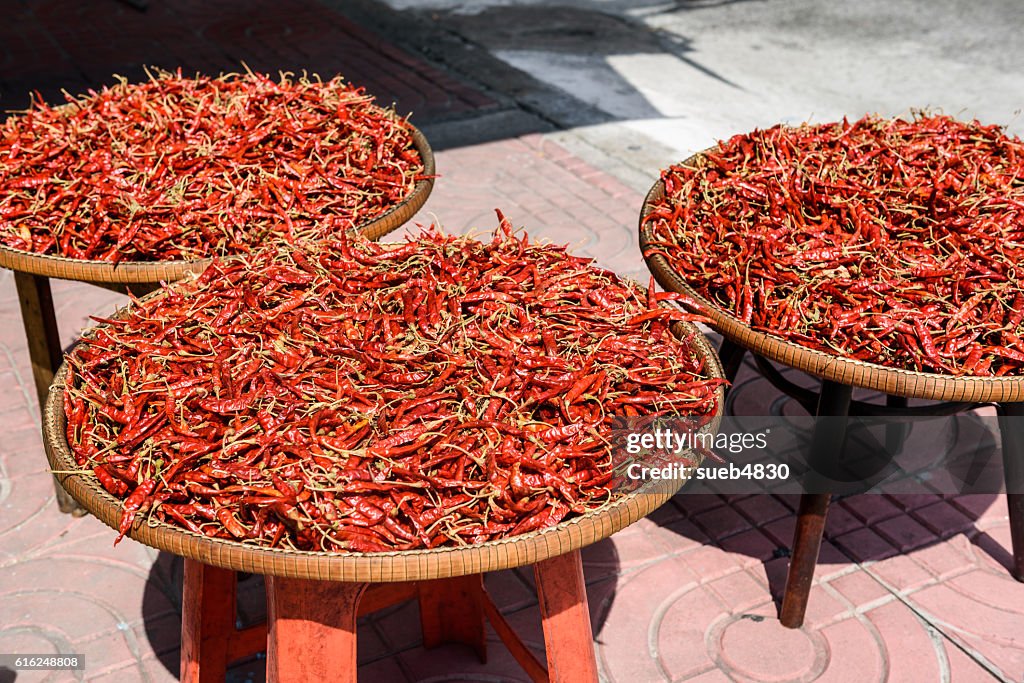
(311, 628)
(835, 400)
(44, 351)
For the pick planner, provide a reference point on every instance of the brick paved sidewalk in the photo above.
(909, 588)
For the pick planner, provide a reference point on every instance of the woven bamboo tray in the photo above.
(412, 565)
(152, 272)
(889, 380)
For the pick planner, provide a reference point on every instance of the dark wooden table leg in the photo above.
(895, 432)
(568, 637)
(828, 440)
(731, 356)
(1011, 430)
(44, 351)
(810, 525)
(312, 630)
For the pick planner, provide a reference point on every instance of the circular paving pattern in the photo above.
(762, 649)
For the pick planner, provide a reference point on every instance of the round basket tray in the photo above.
(889, 380)
(151, 272)
(411, 565)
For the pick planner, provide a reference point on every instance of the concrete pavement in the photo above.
(641, 84)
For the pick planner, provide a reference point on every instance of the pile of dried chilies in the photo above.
(367, 397)
(181, 168)
(891, 241)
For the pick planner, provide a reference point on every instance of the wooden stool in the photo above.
(839, 377)
(311, 630)
(835, 399)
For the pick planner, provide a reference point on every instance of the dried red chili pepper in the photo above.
(881, 239)
(338, 409)
(132, 504)
(182, 168)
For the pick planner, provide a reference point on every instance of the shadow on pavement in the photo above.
(164, 634)
(582, 32)
(387, 632)
(761, 526)
(436, 65)
(56, 45)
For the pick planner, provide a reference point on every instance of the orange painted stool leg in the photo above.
(207, 622)
(312, 630)
(568, 638)
(451, 611)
